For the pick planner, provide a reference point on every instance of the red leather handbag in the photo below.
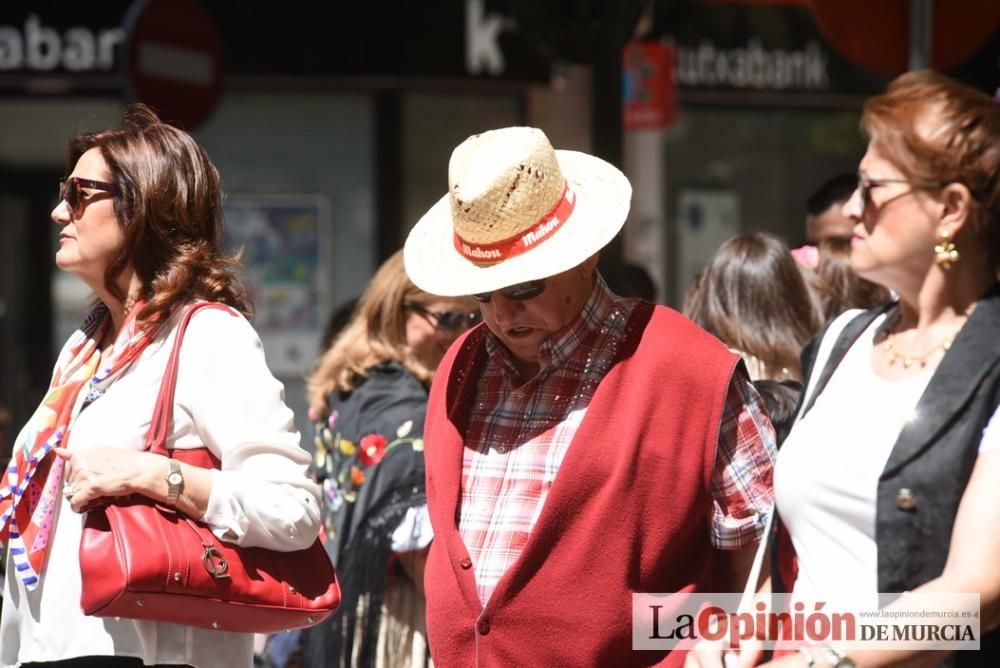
(143, 560)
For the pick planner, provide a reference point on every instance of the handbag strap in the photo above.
(750, 589)
(163, 412)
(833, 345)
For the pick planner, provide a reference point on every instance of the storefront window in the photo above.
(732, 170)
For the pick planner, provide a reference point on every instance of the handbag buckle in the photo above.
(215, 563)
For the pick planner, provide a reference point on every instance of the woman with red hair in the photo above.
(888, 480)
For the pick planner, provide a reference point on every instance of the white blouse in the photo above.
(227, 400)
(826, 479)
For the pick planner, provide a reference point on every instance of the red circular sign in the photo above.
(174, 60)
(876, 33)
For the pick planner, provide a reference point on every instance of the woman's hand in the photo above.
(93, 473)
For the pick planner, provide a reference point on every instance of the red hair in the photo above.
(937, 130)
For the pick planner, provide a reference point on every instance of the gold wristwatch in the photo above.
(175, 480)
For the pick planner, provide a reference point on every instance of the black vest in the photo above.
(930, 464)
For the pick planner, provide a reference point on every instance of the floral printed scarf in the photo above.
(30, 490)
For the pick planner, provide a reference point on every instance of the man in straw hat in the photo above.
(580, 446)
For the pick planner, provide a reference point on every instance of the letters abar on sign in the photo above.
(43, 49)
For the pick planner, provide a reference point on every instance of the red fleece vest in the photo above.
(629, 510)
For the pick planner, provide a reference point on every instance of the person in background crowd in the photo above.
(752, 296)
(825, 259)
(368, 396)
(336, 324)
(635, 281)
(583, 447)
(888, 480)
(140, 220)
(281, 650)
(781, 398)
(836, 287)
(824, 218)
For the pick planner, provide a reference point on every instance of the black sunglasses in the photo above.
(448, 321)
(71, 191)
(520, 292)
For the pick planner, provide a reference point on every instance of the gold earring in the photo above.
(945, 253)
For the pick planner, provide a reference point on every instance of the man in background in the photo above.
(823, 217)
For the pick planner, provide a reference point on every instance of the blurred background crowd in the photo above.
(332, 124)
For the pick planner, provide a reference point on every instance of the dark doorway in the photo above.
(26, 314)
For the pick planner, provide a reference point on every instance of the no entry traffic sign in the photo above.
(175, 60)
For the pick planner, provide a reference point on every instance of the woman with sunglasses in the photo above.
(888, 480)
(368, 396)
(139, 222)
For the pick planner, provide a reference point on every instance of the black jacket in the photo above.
(390, 404)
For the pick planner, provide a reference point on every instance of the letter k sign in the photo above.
(482, 50)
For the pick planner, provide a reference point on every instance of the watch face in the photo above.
(175, 478)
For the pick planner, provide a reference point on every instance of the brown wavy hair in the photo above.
(169, 205)
(375, 334)
(753, 298)
(938, 130)
(835, 285)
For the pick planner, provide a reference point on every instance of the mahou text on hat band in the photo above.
(536, 234)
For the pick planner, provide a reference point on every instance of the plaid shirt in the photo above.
(517, 438)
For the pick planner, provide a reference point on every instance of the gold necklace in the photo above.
(909, 360)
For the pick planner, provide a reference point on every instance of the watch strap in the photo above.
(174, 481)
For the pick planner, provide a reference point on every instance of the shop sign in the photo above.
(483, 54)
(36, 47)
(463, 39)
(754, 67)
(821, 48)
(758, 47)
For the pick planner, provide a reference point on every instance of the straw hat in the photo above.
(516, 210)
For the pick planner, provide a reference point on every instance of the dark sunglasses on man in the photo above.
(448, 321)
(71, 191)
(520, 292)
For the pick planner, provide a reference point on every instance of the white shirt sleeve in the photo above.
(414, 531)
(235, 407)
(991, 435)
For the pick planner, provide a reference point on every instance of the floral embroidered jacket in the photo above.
(369, 458)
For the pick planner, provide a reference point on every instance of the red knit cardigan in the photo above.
(629, 510)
